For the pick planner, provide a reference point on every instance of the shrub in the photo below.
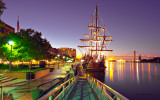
(3, 66)
(23, 66)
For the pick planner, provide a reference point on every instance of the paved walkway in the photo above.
(24, 92)
(82, 90)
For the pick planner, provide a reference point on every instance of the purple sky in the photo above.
(133, 24)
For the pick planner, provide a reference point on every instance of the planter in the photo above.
(26, 75)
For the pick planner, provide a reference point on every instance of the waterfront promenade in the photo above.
(23, 92)
(82, 90)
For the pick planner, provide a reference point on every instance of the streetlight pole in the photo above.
(10, 65)
(10, 62)
(63, 60)
(58, 58)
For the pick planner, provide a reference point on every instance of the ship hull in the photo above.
(95, 66)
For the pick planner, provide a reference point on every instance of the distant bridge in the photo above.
(134, 55)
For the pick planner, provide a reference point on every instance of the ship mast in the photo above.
(91, 37)
(97, 39)
(96, 26)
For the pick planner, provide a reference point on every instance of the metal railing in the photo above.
(51, 81)
(103, 91)
(53, 85)
(62, 91)
(48, 82)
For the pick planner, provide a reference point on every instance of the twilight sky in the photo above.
(133, 24)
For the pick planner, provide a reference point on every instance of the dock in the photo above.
(82, 87)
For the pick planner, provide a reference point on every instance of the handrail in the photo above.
(52, 81)
(102, 90)
(53, 91)
(14, 84)
(9, 80)
(104, 87)
(66, 89)
(46, 82)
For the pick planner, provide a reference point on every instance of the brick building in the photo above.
(5, 28)
(68, 51)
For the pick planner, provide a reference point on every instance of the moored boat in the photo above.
(97, 43)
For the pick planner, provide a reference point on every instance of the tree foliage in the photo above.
(28, 45)
(2, 7)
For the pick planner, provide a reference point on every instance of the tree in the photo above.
(28, 45)
(41, 46)
(3, 46)
(2, 7)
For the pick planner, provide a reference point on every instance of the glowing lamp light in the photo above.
(69, 61)
(11, 42)
(82, 60)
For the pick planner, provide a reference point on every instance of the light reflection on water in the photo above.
(136, 81)
(134, 69)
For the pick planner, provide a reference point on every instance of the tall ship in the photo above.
(95, 44)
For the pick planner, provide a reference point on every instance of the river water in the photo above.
(136, 81)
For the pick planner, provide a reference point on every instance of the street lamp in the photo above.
(58, 58)
(10, 62)
(63, 60)
(58, 55)
(11, 42)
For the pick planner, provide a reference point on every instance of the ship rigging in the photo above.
(97, 40)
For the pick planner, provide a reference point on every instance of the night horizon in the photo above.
(132, 24)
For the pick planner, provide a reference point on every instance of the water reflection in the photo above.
(149, 72)
(132, 71)
(115, 72)
(109, 70)
(142, 71)
(137, 72)
(111, 75)
(155, 71)
(120, 68)
(135, 78)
